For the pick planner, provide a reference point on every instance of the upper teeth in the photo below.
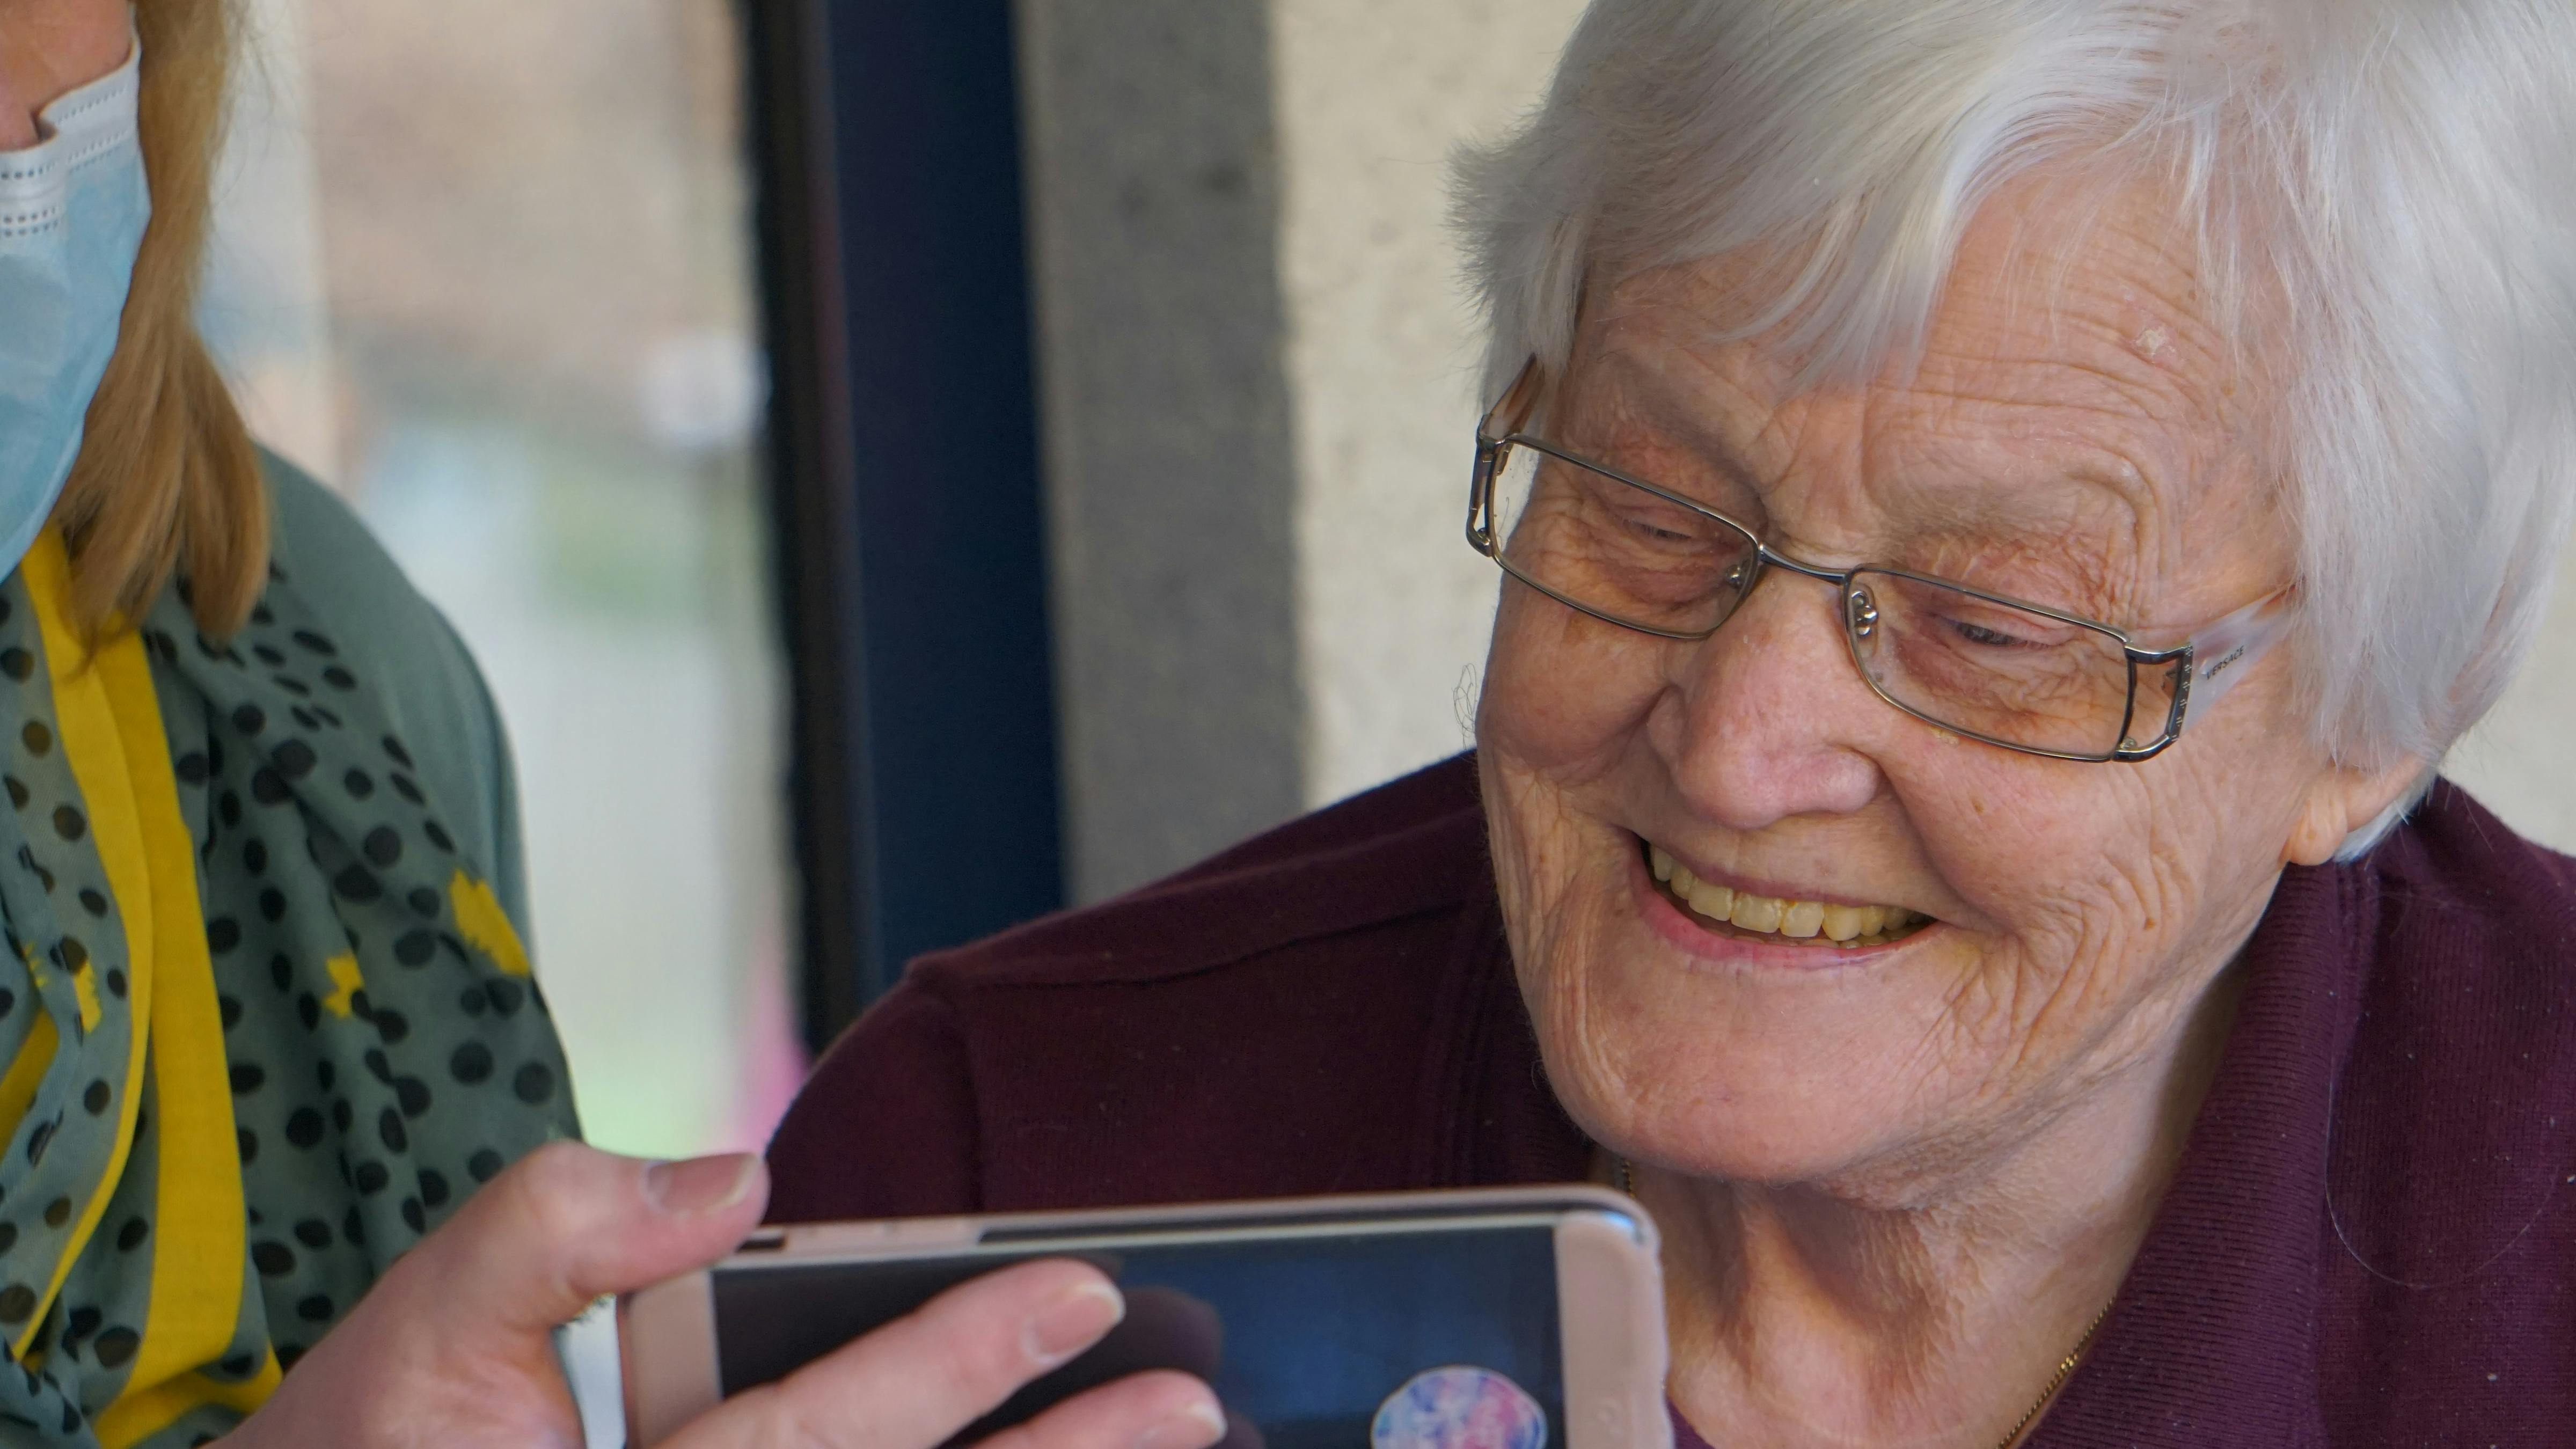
(1799, 920)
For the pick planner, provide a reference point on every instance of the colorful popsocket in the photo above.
(1459, 1408)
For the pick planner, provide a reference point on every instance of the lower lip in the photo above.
(1683, 930)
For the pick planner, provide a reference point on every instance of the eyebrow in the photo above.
(2094, 584)
(1985, 519)
(1669, 417)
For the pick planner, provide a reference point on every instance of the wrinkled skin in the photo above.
(1897, 1187)
(451, 1347)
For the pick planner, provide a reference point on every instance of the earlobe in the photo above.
(2344, 799)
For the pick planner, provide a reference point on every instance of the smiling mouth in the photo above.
(1776, 919)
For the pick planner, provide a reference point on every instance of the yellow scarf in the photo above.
(111, 732)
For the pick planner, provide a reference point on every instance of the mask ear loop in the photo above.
(2226, 651)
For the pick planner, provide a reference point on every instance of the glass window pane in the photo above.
(483, 266)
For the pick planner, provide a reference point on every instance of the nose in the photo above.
(1768, 717)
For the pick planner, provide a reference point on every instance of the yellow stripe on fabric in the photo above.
(26, 1073)
(346, 982)
(135, 1417)
(480, 919)
(86, 723)
(85, 993)
(198, 1224)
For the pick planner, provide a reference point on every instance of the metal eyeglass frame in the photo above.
(2228, 644)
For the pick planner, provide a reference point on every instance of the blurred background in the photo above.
(905, 466)
(486, 268)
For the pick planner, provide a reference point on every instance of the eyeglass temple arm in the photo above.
(1504, 417)
(2225, 652)
(1512, 409)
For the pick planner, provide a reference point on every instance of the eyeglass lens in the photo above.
(1616, 548)
(1958, 658)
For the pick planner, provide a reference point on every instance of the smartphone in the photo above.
(1518, 1318)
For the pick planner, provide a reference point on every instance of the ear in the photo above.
(2341, 800)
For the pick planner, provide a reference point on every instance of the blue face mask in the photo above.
(72, 209)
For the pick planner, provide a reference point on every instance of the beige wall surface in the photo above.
(2520, 761)
(1256, 368)
(1392, 606)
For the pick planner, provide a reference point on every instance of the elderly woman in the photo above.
(265, 1023)
(2004, 503)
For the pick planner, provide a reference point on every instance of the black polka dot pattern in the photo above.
(64, 940)
(379, 1061)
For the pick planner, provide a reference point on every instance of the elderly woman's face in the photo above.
(2074, 436)
(48, 47)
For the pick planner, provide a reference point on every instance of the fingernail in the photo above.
(700, 1184)
(1074, 1322)
(1195, 1427)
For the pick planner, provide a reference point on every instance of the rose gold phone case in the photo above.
(1609, 1290)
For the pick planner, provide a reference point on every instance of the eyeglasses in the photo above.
(1984, 665)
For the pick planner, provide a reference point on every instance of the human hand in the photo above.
(453, 1346)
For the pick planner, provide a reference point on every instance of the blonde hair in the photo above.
(168, 479)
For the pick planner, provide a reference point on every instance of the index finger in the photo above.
(918, 1380)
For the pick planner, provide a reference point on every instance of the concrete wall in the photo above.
(1259, 382)
(1256, 368)
(1154, 217)
(2521, 761)
(1393, 607)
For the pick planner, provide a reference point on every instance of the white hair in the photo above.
(2394, 180)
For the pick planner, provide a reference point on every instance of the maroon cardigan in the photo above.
(2371, 1239)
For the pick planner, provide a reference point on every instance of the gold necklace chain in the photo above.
(2056, 1381)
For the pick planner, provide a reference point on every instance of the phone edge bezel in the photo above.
(678, 1376)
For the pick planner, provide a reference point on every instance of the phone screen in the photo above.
(1304, 1339)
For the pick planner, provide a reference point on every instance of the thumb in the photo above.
(568, 1223)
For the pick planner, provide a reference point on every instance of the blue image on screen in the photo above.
(1303, 1339)
(1316, 1335)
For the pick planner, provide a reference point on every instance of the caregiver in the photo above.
(266, 1021)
